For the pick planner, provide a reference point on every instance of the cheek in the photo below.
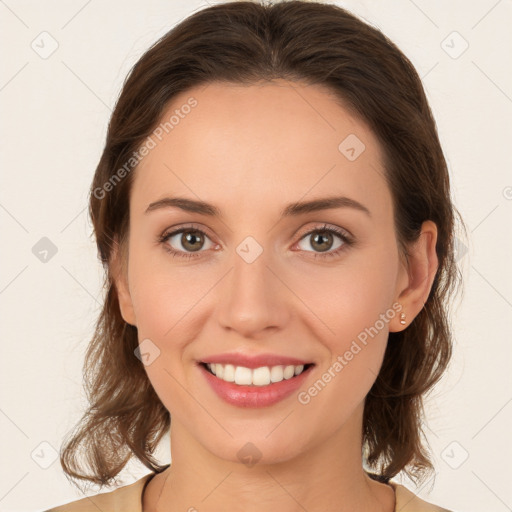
(353, 306)
(166, 301)
(170, 303)
(348, 299)
(354, 355)
(163, 292)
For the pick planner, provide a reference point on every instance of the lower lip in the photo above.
(254, 396)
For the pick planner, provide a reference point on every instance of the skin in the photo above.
(251, 150)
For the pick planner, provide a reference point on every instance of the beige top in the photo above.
(129, 499)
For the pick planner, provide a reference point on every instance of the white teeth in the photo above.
(289, 372)
(243, 376)
(261, 376)
(229, 373)
(276, 374)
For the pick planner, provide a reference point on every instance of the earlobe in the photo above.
(421, 271)
(119, 274)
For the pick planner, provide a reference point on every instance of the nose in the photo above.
(253, 299)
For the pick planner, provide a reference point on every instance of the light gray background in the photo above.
(54, 113)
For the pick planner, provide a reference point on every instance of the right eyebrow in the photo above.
(324, 203)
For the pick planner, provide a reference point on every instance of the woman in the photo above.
(272, 208)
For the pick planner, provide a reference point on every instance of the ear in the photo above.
(417, 276)
(119, 272)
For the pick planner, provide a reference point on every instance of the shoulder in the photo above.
(407, 501)
(127, 499)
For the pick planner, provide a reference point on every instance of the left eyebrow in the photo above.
(292, 209)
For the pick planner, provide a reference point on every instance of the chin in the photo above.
(256, 448)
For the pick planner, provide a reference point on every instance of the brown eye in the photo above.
(191, 240)
(323, 240)
(185, 241)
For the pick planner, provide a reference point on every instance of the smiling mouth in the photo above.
(262, 376)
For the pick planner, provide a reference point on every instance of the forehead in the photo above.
(236, 144)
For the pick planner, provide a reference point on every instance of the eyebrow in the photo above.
(292, 209)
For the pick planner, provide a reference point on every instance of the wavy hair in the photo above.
(244, 42)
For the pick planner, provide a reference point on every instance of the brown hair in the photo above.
(243, 43)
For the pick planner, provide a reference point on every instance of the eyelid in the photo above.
(346, 237)
(173, 230)
(326, 226)
(300, 233)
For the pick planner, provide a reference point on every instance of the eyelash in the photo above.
(347, 241)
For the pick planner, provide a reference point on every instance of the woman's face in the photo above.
(259, 281)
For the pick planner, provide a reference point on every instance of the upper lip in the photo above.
(254, 361)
